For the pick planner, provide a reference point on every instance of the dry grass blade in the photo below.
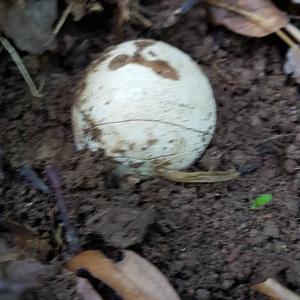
(200, 177)
(61, 22)
(275, 290)
(293, 31)
(19, 63)
(252, 18)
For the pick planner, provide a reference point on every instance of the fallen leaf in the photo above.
(292, 64)
(255, 18)
(275, 290)
(13, 289)
(85, 290)
(27, 241)
(147, 276)
(123, 12)
(29, 23)
(26, 268)
(132, 278)
(129, 11)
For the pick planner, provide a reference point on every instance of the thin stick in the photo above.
(20, 65)
(293, 31)
(70, 233)
(30, 175)
(61, 22)
(253, 17)
(185, 7)
(275, 290)
(286, 38)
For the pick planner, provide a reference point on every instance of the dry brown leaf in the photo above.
(85, 290)
(29, 24)
(263, 18)
(275, 290)
(147, 276)
(132, 278)
(27, 241)
(123, 12)
(129, 11)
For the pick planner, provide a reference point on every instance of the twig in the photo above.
(275, 137)
(185, 7)
(20, 65)
(70, 233)
(61, 22)
(30, 175)
(275, 290)
(293, 31)
(254, 18)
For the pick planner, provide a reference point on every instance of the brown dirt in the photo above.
(204, 237)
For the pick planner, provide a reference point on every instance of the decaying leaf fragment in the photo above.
(26, 241)
(275, 290)
(132, 278)
(28, 23)
(292, 64)
(129, 11)
(85, 290)
(259, 17)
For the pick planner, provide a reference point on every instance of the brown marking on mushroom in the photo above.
(152, 53)
(92, 130)
(119, 61)
(136, 164)
(142, 44)
(151, 142)
(119, 147)
(78, 99)
(160, 67)
(131, 146)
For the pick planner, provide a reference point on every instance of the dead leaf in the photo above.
(26, 268)
(129, 11)
(275, 290)
(259, 17)
(12, 289)
(27, 241)
(123, 12)
(292, 64)
(132, 278)
(85, 290)
(29, 24)
(147, 276)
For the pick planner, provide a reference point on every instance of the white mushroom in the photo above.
(146, 104)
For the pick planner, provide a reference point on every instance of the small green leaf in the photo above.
(261, 200)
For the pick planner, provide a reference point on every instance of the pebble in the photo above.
(290, 166)
(271, 230)
(203, 294)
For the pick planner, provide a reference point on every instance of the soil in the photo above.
(203, 237)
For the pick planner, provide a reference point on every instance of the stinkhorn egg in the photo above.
(145, 103)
